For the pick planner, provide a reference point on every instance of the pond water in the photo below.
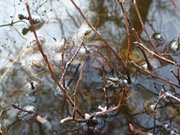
(32, 103)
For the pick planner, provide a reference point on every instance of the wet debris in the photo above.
(43, 121)
(26, 113)
(174, 45)
(158, 39)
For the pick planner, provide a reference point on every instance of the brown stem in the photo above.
(105, 42)
(50, 68)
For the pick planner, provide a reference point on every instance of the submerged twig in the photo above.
(105, 42)
(141, 69)
(141, 21)
(104, 111)
(50, 68)
(136, 131)
(141, 45)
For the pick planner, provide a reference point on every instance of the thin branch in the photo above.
(156, 55)
(105, 42)
(141, 21)
(69, 62)
(141, 69)
(50, 68)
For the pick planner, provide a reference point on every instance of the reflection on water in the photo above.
(26, 83)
